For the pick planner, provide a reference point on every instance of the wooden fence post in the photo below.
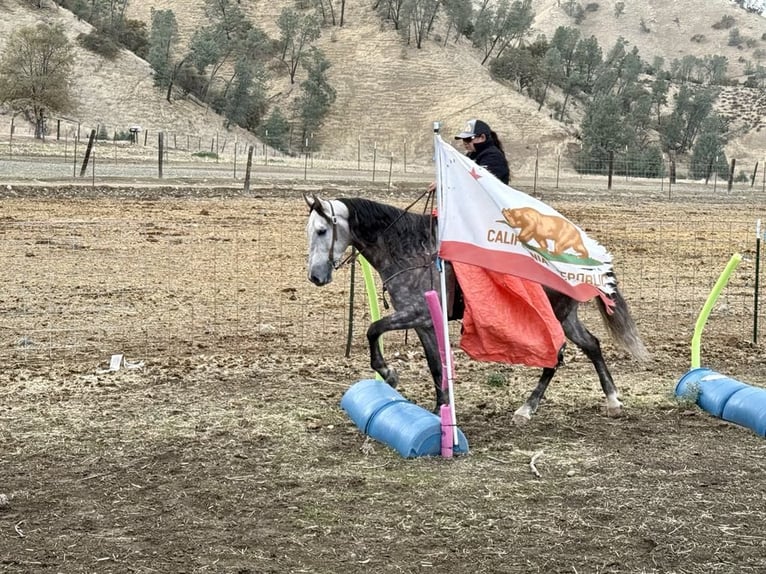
(247, 169)
(610, 170)
(731, 174)
(160, 149)
(87, 152)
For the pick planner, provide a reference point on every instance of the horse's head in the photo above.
(328, 237)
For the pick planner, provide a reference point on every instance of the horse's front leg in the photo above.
(430, 344)
(524, 413)
(404, 319)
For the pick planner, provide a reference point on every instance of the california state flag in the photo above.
(485, 223)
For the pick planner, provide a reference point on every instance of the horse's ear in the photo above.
(310, 202)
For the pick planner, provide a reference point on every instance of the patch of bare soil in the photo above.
(227, 450)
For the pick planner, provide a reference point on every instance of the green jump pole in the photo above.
(708, 306)
(372, 297)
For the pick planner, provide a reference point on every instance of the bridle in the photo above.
(332, 219)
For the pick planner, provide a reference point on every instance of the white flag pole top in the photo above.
(486, 223)
(443, 288)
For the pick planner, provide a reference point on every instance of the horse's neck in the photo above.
(373, 255)
(388, 263)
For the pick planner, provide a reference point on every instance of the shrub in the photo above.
(619, 8)
(735, 39)
(99, 44)
(724, 23)
(698, 38)
(205, 154)
(123, 136)
(592, 7)
(496, 379)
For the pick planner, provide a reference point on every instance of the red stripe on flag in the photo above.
(519, 265)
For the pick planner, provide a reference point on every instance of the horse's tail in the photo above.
(622, 327)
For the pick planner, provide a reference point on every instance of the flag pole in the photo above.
(443, 289)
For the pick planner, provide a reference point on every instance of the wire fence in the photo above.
(172, 280)
(67, 156)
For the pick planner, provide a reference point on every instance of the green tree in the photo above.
(390, 10)
(36, 72)
(274, 130)
(244, 97)
(708, 156)
(459, 14)
(162, 40)
(659, 88)
(317, 95)
(296, 34)
(715, 69)
(552, 70)
(602, 132)
(587, 58)
(227, 17)
(498, 28)
(691, 108)
(419, 16)
(517, 65)
(565, 40)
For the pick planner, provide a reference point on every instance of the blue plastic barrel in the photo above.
(726, 398)
(747, 407)
(379, 411)
(712, 389)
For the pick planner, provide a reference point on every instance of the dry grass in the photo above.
(231, 454)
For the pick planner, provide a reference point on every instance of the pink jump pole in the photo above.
(446, 412)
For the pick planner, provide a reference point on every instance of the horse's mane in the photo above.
(402, 231)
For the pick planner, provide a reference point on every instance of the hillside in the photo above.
(395, 92)
(388, 94)
(116, 94)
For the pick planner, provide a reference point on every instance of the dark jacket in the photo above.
(489, 156)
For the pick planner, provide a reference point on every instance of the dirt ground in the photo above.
(223, 448)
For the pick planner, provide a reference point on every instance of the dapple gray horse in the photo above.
(402, 247)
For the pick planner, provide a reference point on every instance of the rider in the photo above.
(484, 147)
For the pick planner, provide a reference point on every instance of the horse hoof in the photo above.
(522, 415)
(392, 379)
(613, 407)
(521, 420)
(614, 412)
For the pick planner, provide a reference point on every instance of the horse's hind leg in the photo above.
(580, 336)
